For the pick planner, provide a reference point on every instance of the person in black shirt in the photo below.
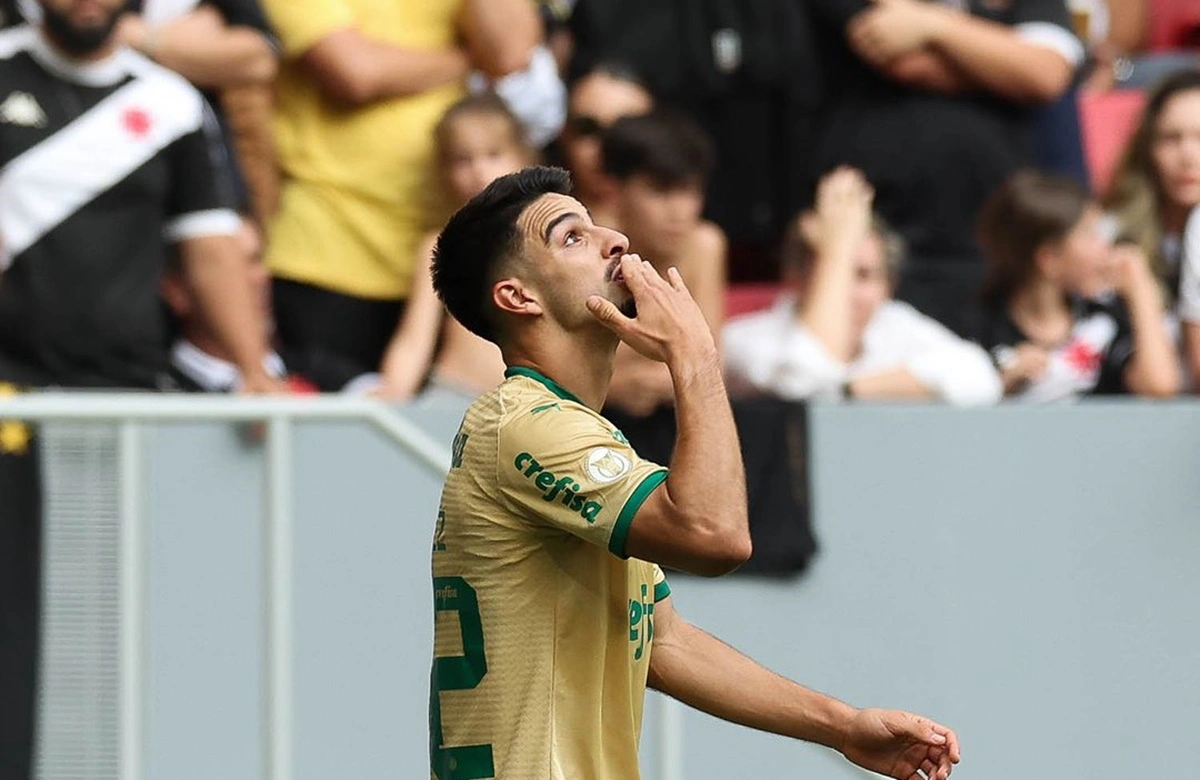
(214, 44)
(931, 100)
(1050, 318)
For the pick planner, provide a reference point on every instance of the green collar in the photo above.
(538, 376)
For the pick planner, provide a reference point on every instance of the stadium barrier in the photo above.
(225, 604)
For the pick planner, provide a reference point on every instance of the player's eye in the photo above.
(572, 237)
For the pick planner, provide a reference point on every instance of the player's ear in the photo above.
(513, 296)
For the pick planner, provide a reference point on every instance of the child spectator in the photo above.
(477, 140)
(1157, 184)
(659, 164)
(597, 100)
(1049, 319)
(837, 333)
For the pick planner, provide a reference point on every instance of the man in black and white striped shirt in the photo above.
(108, 159)
(108, 163)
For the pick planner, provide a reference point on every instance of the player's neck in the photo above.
(582, 369)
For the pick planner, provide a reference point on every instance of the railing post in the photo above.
(670, 738)
(133, 601)
(277, 592)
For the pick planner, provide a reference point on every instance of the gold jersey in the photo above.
(543, 627)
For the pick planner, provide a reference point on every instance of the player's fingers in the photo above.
(929, 769)
(947, 747)
(676, 280)
(608, 314)
(944, 767)
(633, 271)
(952, 749)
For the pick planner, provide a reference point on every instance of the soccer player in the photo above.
(551, 612)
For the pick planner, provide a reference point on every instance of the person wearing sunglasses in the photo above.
(599, 98)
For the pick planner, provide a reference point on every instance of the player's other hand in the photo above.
(669, 325)
(900, 745)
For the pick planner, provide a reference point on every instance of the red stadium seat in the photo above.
(750, 297)
(1174, 24)
(1107, 120)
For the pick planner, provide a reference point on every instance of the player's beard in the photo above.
(628, 307)
(79, 41)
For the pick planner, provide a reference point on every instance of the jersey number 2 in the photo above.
(460, 673)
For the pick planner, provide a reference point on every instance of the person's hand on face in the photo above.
(668, 325)
(842, 217)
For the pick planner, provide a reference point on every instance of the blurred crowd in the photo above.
(870, 199)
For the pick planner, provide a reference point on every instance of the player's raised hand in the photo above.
(669, 324)
(900, 745)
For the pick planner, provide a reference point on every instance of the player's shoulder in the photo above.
(536, 407)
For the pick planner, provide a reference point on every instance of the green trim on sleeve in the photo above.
(538, 376)
(620, 531)
(661, 591)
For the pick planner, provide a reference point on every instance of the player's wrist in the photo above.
(834, 724)
(690, 361)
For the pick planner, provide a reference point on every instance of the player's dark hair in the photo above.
(1030, 210)
(666, 147)
(480, 238)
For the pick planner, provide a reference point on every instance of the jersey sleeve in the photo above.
(562, 467)
(200, 201)
(662, 588)
(300, 24)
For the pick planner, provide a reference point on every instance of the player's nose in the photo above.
(614, 243)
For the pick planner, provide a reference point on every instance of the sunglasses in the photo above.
(583, 126)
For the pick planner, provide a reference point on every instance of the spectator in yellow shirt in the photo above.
(361, 88)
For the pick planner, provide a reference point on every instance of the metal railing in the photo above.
(129, 413)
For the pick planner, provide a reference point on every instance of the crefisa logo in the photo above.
(565, 490)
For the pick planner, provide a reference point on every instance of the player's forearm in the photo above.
(707, 483)
(705, 673)
(999, 60)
